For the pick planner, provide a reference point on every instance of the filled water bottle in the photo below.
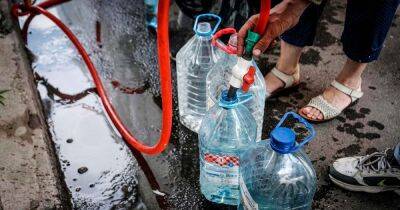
(194, 60)
(227, 130)
(151, 13)
(277, 174)
(221, 73)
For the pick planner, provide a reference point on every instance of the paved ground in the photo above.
(29, 173)
(371, 125)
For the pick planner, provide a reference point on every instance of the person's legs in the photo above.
(287, 63)
(366, 27)
(292, 43)
(350, 76)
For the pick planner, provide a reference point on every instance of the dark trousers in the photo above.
(366, 26)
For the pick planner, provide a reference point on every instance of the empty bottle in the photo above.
(227, 130)
(221, 73)
(276, 174)
(151, 13)
(194, 60)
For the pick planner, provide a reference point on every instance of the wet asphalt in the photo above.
(102, 172)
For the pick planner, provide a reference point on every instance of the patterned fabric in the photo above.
(327, 110)
(222, 160)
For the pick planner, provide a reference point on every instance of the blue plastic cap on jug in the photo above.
(283, 140)
(226, 101)
(227, 130)
(277, 174)
(231, 101)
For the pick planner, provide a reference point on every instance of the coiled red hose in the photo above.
(163, 58)
(164, 63)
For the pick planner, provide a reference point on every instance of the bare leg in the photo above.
(287, 63)
(350, 76)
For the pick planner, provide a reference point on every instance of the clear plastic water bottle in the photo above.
(227, 130)
(277, 174)
(194, 60)
(219, 76)
(151, 13)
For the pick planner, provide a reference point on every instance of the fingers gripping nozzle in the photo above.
(243, 72)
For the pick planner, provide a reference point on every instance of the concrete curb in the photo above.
(30, 176)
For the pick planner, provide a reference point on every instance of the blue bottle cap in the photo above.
(283, 140)
(226, 102)
(204, 29)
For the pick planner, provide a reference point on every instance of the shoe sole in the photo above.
(368, 189)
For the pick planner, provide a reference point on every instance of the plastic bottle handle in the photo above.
(305, 123)
(209, 15)
(241, 99)
(244, 97)
(216, 42)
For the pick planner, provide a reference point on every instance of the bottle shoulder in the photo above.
(264, 159)
(234, 128)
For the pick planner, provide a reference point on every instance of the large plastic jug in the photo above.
(277, 174)
(227, 130)
(194, 60)
(221, 73)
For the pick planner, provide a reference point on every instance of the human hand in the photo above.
(282, 17)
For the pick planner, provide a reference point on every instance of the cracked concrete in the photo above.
(29, 174)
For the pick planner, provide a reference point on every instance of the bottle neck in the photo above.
(232, 93)
(203, 38)
(247, 56)
(228, 101)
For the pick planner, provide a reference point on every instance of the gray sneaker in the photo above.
(377, 172)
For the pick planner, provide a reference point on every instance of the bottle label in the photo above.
(222, 169)
(248, 201)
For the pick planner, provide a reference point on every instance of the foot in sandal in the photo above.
(277, 80)
(331, 103)
(286, 74)
(342, 92)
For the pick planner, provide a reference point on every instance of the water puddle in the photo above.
(101, 171)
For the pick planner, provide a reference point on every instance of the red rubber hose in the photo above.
(264, 16)
(163, 57)
(164, 62)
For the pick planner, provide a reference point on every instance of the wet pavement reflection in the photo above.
(101, 171)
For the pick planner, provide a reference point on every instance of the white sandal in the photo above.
(290, 81)
(327, 110)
